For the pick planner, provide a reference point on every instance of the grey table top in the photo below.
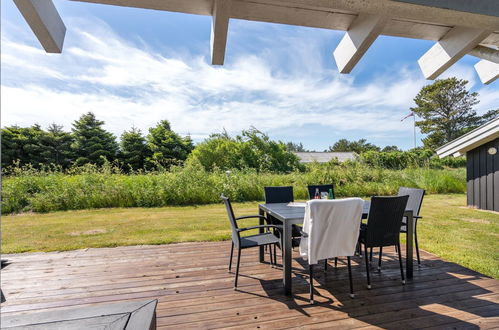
(284, 211)
(123, 315)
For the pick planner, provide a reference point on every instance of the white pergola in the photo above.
(458, 27)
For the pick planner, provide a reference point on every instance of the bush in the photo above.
(413, 159)
(251, 150)
(47, 190)
(453, 162)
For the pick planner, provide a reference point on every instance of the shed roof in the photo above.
(323, 157)
(471, 140)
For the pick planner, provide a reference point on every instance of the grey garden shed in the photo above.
(481, 147)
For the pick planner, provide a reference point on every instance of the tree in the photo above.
(359, 146)
(32, 145)
(11, 145)
(218, 151)
(295, 147)
(134, 150)
(390, 149)
(488, 116)
(260, 152)
(167, 147)
(252, 149)
(92, 144)
(23, 144)
(56, 145)
(446, 110)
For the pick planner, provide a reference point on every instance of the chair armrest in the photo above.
(261, 226)
(252, 216)
(414, 217)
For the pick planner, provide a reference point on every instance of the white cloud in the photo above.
(489, 99)
(126, 84)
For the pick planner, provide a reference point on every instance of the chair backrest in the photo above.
(279, 194)
(233, 223)
(321, 187)
(385, 219)
(332, 228)
(415, 198)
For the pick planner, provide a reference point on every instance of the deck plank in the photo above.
(194, 289)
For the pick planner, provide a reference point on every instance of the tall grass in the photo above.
(84, 188)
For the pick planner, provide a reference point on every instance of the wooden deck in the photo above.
(195, 291)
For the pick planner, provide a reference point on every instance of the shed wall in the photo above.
(482, 175)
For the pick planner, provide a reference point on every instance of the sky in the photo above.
(134, 67)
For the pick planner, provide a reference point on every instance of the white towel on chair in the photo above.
(332, 228)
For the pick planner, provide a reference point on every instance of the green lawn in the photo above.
(449, 230)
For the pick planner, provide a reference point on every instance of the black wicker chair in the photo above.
(279, 194)
(383, 227)
(321, 187)
(282, 195)
(266, 239)
(414, 203)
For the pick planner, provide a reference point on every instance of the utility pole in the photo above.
(414, 128)
(414, 117)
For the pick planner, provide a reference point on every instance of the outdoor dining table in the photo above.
(293, 214)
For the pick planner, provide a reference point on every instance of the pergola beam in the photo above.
(458, 28)
(485, 53)
(219, 30)
(44, 20)
(487, 71)
(407, 20)
(453, 46)
(404, 11)
(357, 40)
(197, 7)
(483, 7)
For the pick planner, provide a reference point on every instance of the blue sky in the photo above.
(134, 67)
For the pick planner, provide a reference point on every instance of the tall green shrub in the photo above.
(45, 190)
(405, 159)
(250, 150)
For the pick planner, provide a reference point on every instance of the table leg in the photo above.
(260, 231)
(409, 240)
(286, 257)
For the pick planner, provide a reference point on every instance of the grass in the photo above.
(450, 230)
(459, 234)
(39, 191)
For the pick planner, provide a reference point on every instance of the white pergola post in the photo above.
(44, 20)
(357, 40)
(487, 71)
(453, 46)
(219, 29)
